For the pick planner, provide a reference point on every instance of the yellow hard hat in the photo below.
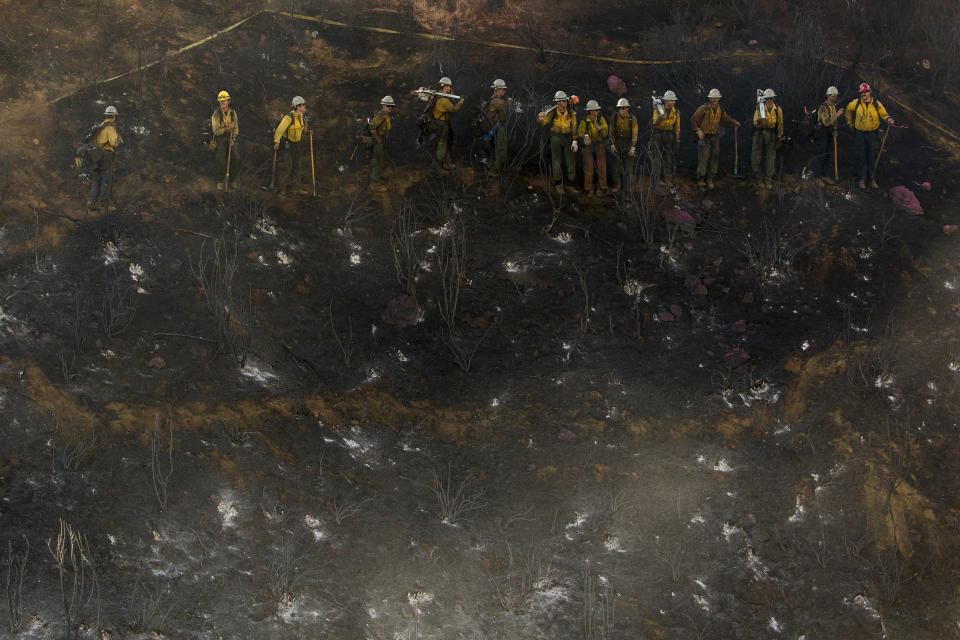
(223, 95)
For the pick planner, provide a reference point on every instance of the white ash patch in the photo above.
(576, 526)
(418, 600)
(563, 238)
(512, 267)
(284, 258)
(864, 603)
(136, 272)
(729, 530)
(12, 326)
(782, 429)
(799, 511)
(110, 253)
(635, 289)
(227, 507)
(954, 365)
(884, 382)
(549, 600)
(723, 466)
(354, 259)
(613, 543)
(266, 226)
(401, 356)
(258, 372)
(756, 566)
(140, 130)
(950, 285)
(361, 446)
(495, 403)
(294, 610)
(698, 518)
(702, 602)
(773, 625)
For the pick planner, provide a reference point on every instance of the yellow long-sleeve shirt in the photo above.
(624, 127)
(443, 107)
(380, 126)
(291, 127)
(707, 119)
(107, 138)
(825, 115)
(774, 119)
(865, 116)
(562, 123)
(596, 129)
(219, 120)
(670, 120)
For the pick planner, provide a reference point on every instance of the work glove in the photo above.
(633, 152)
(701, 142)
(700, 134)
(574, 146)
(736, 123)
(586, 139)
(276, 145)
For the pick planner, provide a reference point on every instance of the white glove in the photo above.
(633, 151)
(574, 146)
(586, 139)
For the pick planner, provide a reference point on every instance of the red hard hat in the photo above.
(864, 87)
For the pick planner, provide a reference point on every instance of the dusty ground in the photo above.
(743, 429)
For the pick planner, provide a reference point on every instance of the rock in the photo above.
(616, 85)
(157, 363)
(566, 435)
(925, 186)
(753, 43)
(676, 310)
(666, 316)
(747, 298)
(699, 290)
(950, 229)
(906, 200)
(678, 216)
(402, 311)
(740, 326)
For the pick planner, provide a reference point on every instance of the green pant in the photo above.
(378, 157)
(765, 152)
(499, 148)
(624, 166)
(708, 156)
(560, 152)
(290, 161)
(663, 143)
(443, 140)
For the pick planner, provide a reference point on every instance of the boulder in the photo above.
(906, 200)
(950, 229)
(678, 216)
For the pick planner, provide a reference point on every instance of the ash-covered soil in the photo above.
(468, 407)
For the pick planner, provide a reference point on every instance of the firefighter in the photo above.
(379, 128)
(767, 136)
(225, 129)
(665, 138)
(287, 139)
(497, 114)
(443, 107)
(593, 133)
(824, 132)
(106, 141)
(624, 130)
(563, 143)
(864, 115)
(706, 123)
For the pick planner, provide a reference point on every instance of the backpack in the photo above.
(284, 141)
(88, 154)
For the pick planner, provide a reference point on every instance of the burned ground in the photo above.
(267, 419)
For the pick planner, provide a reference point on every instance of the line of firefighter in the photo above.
(864, 115)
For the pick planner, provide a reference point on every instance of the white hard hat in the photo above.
(560, 95)
(769, 93)
(592, 105)
(669, 95)
(714, 93)
(110, 111)
(297, 101)
(498, 84)
(445, 80)
(388, 100)
(623, 102)
(832, 91)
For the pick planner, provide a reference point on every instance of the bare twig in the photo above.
(160, 478)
